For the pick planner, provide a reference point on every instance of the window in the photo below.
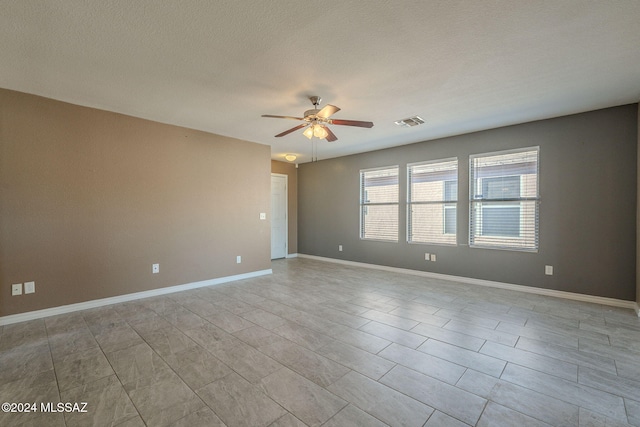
(431, 201)
(451, 197)
(379, 204)
(504, 200)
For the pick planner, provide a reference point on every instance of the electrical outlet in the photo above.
(433, 257)
(238, 259)
(426, 257)
(548, 270)
(16, 289)
(263, 215)
(155, 268)
(30, 287)
(340, 248)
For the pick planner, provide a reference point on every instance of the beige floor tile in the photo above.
(107, 403)
(81, 367)
(381, 401)
(133, 364)
(354, 417)
(239, 403)
(168, 341)
(245, 360)
(437, 394)
(498, 415)
(303, 336)
(288, 420)
(334, 345)
(309, 402)
(203, 418)
(197, 367)
(396, 335)
(311, 365)
(359, 360)
(163, 399)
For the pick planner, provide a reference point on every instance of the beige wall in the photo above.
(90, 199)
(291, 171)
(638, 223)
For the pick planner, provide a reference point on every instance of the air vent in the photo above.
(411, 121)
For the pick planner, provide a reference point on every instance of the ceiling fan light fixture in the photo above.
(308, 132)
(319, 131)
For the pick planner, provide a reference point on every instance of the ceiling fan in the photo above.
(316, 121)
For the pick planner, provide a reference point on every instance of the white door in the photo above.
(278, 216)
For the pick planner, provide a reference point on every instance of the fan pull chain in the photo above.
(314, 151)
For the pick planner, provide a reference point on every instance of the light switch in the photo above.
(30, 287)
(263, 215)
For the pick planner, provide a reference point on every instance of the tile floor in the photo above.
(320, 344)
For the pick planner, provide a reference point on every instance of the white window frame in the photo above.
(365, 203)
(520, 243)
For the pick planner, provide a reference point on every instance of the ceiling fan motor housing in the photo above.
(310, 113)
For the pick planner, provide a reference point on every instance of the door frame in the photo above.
(286, 212)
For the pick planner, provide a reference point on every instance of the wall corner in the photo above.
(638, 215)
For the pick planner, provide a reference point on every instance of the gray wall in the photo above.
(587, 210)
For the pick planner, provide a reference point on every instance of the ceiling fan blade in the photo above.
(357, 123)
(287, 132)
(327, 111)
(331, 136)
(282, 117)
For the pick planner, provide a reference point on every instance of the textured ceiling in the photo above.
(462, 65)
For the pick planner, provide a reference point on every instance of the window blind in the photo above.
(432, 196)
(379, 204)
(504, 200)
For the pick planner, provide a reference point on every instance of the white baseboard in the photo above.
(47, 312)
(521, 288)
(292, 255)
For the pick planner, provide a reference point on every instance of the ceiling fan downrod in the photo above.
(315, 100)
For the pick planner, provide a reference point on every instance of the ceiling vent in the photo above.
(411, 121)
